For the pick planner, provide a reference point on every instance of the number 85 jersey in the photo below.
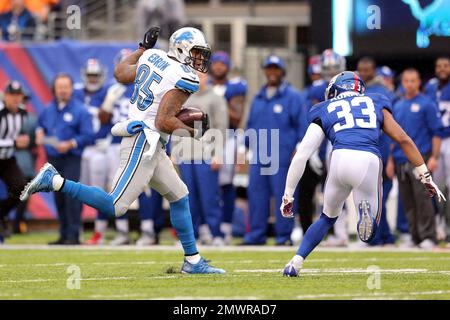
(157, 74)
(352, 120)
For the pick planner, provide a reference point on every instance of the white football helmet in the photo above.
(93, 74)
(181, 46)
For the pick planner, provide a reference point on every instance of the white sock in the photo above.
(147, 226)
(101, 225)
(122, 225)
(193, 259)
(57, 182)
(226, 228)
(297, 261)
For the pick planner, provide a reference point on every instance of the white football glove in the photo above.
(287, 204)
(424, 175)
(113, 94)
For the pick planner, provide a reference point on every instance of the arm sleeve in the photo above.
(311, 142)
(187, 82)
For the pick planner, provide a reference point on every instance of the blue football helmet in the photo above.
(342, 82)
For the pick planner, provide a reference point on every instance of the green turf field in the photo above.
(35, 272)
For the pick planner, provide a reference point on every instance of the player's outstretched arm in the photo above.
(396, 133)
(171, 104)
(310, 143)
(125, 71)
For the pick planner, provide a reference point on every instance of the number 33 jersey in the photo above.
(157, 74)
(351, 120)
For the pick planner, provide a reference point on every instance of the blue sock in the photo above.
(92, 196)
(315, 233)
(180, 217)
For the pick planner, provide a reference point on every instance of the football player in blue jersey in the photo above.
(352, 121)
(438, 89)
(234, 90)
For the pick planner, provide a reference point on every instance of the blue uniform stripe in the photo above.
(130, 168)
(187, 86)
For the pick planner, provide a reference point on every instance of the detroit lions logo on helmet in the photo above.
(185, 36)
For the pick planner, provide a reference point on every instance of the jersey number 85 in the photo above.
(142, 93)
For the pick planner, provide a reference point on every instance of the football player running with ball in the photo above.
(163, 82)
(352, 121)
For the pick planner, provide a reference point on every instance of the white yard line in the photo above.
(347, 271)
(91, 279)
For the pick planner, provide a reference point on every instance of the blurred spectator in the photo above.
(276, 106)
(65, 128)
(388, 75)
(12, 118)
(39, 8)
(418, 116)
(199, 163)
(438, 89)
(234, 90)
(168, 14)
(18, 23)
(94, 161)
(376, 83)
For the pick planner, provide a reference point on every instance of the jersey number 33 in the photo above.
(367, 109)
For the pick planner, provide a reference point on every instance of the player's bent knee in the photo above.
(177, 194)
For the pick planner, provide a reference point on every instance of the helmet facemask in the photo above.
(199, 59)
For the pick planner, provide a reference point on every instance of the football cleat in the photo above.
(202, 267)
(43, 182)
(290, 270)
(146, 239)
(96, 239)
(121, 239)
(367, 224)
